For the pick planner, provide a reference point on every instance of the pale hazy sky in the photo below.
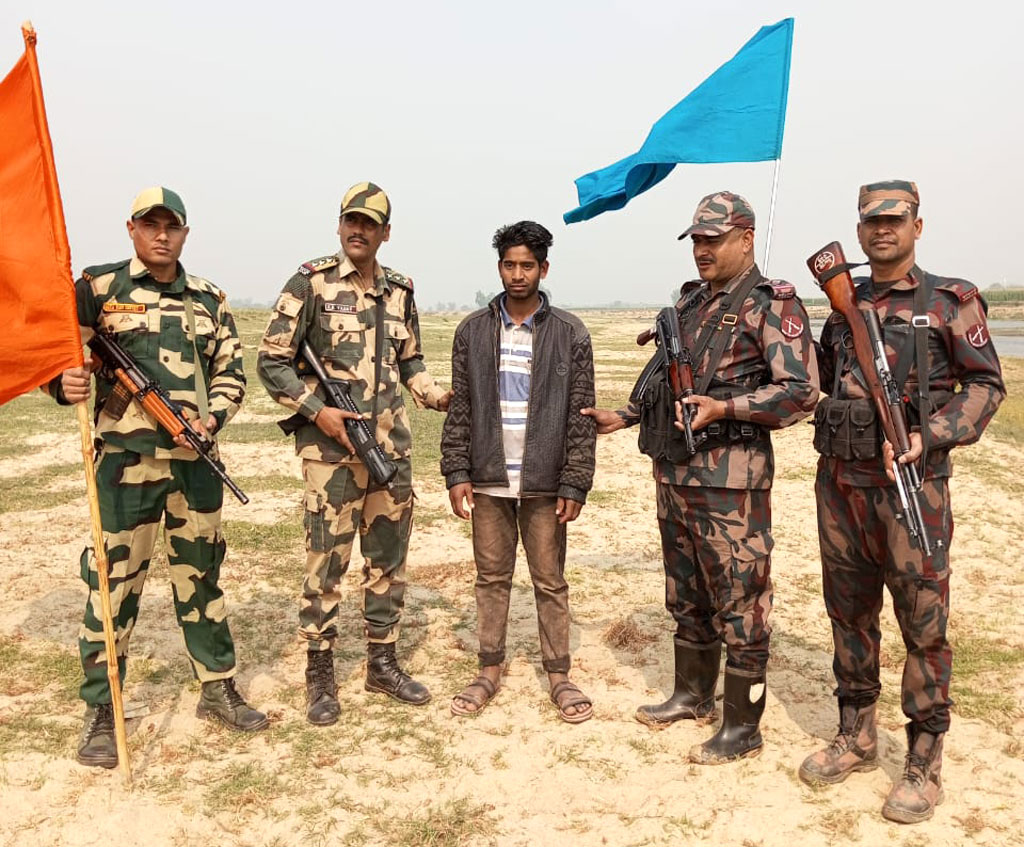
(475, 114)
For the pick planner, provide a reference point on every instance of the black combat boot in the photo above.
(913, 799)
(738, 736)
(321, 692)
(384, 675)
(855, 747)
(97, 747)
(220, 699)
(694, 694)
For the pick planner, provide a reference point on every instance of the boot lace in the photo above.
(320, 672)
(102, 720)
(234, 699)
(914, 769)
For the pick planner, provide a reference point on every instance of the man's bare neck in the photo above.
(891, 271)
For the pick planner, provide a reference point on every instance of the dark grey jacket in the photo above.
(558, 457)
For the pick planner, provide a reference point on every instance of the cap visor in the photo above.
(706, 229)
(372, 214)
(141, 212)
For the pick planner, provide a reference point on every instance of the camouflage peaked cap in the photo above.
(892, 197)
(718, 213)
(158, 197)
(367, 199)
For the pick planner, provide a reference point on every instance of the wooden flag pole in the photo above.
(103, 572)
(63, 255)
(771, 216)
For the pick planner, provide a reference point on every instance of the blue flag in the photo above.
(737, 114)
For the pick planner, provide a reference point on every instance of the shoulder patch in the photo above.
(395, 278)
(315, 266)
(959, 288)
(90, 273)
(781, 290)
(204, 285)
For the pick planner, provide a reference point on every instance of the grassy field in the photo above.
(389, 774)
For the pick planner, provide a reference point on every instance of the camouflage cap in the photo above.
(367, 199)
(892, 197)
(718, 213)
(158, 197)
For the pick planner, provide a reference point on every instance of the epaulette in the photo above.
(395, 278)
(315, 266)
(90, 273)
(204, 285)
(781, 290)
(959, 288)
(689, 285)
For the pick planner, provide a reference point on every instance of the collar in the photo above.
(346, 268)
(138, 271)
(528, 323)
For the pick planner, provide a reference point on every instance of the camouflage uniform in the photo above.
(864, 544)
(142, 476)
(715, 511)
(325, 304)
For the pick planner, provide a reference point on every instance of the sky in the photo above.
(472, 115)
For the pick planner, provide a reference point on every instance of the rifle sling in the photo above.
(378, 340)
(199, 378)
(724, 318)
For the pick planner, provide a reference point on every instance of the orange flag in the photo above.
(40, 336)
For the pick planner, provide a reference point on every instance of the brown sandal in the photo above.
(580, 699)
(468, 696)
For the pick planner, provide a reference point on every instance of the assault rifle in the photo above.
(676, 357)
(132, 383)
(339, 395)
(832, 274)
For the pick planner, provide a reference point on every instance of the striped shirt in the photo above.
(515, 361)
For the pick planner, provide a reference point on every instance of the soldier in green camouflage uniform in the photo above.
(361, 321)
(754, 371)
(143, 475)
(864, 540)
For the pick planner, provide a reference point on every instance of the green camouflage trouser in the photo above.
(135, 492)
(863, 547)
(716, 544)
(340, 500)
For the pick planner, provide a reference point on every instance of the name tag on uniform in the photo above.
(339, 308)
(134, 308)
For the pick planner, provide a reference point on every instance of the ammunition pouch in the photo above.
(117, 402)
(846, 429)
(661, 440)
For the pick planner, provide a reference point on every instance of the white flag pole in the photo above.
(771, 217)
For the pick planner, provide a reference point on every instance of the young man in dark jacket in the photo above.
(518, 456)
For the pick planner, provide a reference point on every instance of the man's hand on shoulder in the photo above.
(75, 383)
(331, 422)
(607, 420)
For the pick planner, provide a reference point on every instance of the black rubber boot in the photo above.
(694, 695)
(385, 676)
(738, 736)
(321, 691)
(97, 747)
(220, 699)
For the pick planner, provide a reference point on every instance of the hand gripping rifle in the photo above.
(832, 274)
(339, 395)
(676, 357)
(131, 383)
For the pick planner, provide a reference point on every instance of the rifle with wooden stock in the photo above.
(132, 382)
(832, 274)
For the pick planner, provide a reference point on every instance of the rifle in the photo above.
(339, 395)
(679, 365)
(131, 382)
(832, 274)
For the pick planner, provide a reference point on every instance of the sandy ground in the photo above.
(515, 775)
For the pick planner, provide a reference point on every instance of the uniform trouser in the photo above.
(135, 492)
(497, 524)
(716, 544)
(341, 500)
(863, 547)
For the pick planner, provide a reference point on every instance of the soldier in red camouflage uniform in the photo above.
(754, 371)
(864, 540)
